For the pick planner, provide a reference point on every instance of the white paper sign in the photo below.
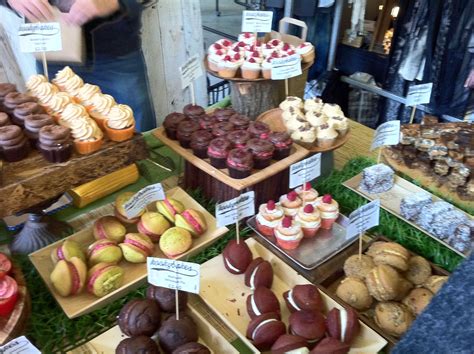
(176, 275)
(364, 218)
(386, 134)
(142, 198)
(305, 171)
(190, 71)
(286, 68)
(257, 21)
(231, 211)
(419, 94)
(40, 37)
(20, 345)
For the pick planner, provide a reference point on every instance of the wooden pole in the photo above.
(45, 65)
(176, 293)
(360, 245)
(237, 232)
(379, 157)
(193, 96)
(287, 90)
(412, 117)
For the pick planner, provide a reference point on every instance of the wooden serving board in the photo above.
(208, 335)
(274, 119)
(391, 200)
(135, 274)
(297, 153)
(334, 279)
(226, 294)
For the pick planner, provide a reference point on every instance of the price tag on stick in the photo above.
(191, 71)
(305, 171)
(19, 345)
(257, 21)
(386, 134)
(362, 219)
(286, 68)
(142, 198)
(418, 94)
(236, 209)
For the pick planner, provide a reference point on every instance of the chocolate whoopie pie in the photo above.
(166, 298)
(192, 348)
(289, 343)
(259, 273)
(140, 344)
(262, 301)
(139, 317)
(174, 333)
(237, 257)
(310, 325)
(343, 324)
(303, 297)
(331, 346)
(264, 330)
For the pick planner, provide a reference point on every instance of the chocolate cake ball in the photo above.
(175, 333)
(137, 345)
(139, 317)
(166, 298)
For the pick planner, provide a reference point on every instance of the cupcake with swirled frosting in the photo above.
(44, 91)
(33, 82)
(100, 107)
(120, 124)
(86, 93)
(58, 103)
(62, 76)
(72, 112)
(73, 85)
(87, 135)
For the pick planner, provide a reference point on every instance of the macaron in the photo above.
(383, 282)
(175, 241)
(119, 209)
(310, 325)
(358, 266)
(139, 344)
(67, 250)
(174, 333)
(104, 251)
(170, 207)
(435, 282)
(393, 317)
(264, 330)
(166, 298)
(139, 317)
(419, 270)
(303, 297)
(237, 256)
(104, 278)
(343, 324)
(355, 293)
(192, 348)
(259, 273)
(193, 221)
(153, 225)
(288, 343)
(417, 300)
(263, 300)
(137, 247)
(331, 346)
(404, 287)
(69, 277)
(389, 253)
(110, 228)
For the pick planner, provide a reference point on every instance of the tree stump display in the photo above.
(252, 98)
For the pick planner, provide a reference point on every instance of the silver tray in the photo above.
(314, 251)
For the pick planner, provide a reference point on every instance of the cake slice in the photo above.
(411, 205)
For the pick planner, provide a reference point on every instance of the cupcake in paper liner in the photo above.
(44, 92)
(120, 124)
(57, 104)
(326, 136)
(62, 76)
(86, 93)
(87, 135)
(72, 112)
(33, 82)
(307, 52)
(340, 123)
(101, 104)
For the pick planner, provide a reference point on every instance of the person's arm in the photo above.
(84, 11)
(33, 10)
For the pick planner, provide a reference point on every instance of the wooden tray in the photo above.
(332, 282)
(391, 200)
(135, 274)
(297, 153)
(427, 182)
(208, 335)
(226, 294)
(274, 119)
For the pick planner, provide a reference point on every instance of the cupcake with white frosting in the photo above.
(307, 52)
(120, 124)
(326, 136)
(85, 94)
(100, 107)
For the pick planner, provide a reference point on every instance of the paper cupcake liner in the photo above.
(88, 147)
(227, 73)
(309, 57)
(309, 232)
(267, 73)
(327, 223)
(119, 135)
(250, 74)
(325, 143)
(288, 245)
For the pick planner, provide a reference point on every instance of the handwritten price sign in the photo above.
(233, 210)
(40, 37)
(257, 21)
(142, 198)
(176, 275)
(190, 71)
(419, 94)
(286, 68)
(364, 218)
(386, 134)
(305, 171)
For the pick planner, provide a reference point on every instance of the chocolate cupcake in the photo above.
(239, 138)
(239, 121)
(221, 129)
(5, 89)
(240, 163)
(166, 298)
(24, 110)
(139, 317)
(218, 151)
(193, 111)
(4, 119)
(200, 142)
(185, 130)
(175, 333)
(282, 143)
(140, 344)
(192, 348)
(207, 122)
(223, 114)
(259, 130)
(171, 123)
(55, 143)
(34, 123)
(14, 99)
(14, 144)
(262, 152)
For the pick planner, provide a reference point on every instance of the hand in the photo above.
(470, 80)
(33, 10)
(82, 11)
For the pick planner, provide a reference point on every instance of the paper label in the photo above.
(40, 37)
(257, 21)
(142, 198)
(233, 210)
(190, 71)
(176, 275)
(386, 134)
(286, 68)
(305, 171)
(419, 94)
(20, 345)
(364, 218)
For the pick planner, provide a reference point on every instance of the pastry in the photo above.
(268, 217)
(193, 221)
(267, 68)
(215, 59)
(104, 251)
(390, 253)
(383, 282)
(355, 293)
(239, 138)
(288, 343)
(314, 104)
(24, 110)
(307, 324)
(55, 143)
(8, 295)
(326, 136)
(104, 278)
(109, 228)
(358, 266)
(292, 114)
(120, 123)
(288, 233)
(221, 129)
(316, 119)
(57, 104)
(309, 219)
(251, 69)
(343, 324)
(332, 110)
(33, 124)
(340, 123)
(137, 247)
(86, 93)
(5, 89)
(262, 301)
(239, 121)
(429, 212)
(393, 318)
(69, 277)
(404, 288)
(100, 107)
(139, 317)
(328, 209)
(247, 37)
(200, 141)
(264, 330)
(138, 344)
(303, 298)
(377, 179)
(192, 348)
(237, 257)
(307, 52)
(119, 209)
(259, 130)
(218, 151)
(184, 132)
(262, 152)
(14, 145)
(417, 300)
(153, 225)
(411, 205)
(444, 225)
(171, 124)
(175, 333)
(62, 76)
(435, 282)
(292, 101)
(239, 163)
(419, 270)
(304, 134)
(66, 251)
(166, 298)
(259, 273)
(290, 203)
(175, 241)
(307, 194)
(227, 68)
(169, 208)
(331, 346)
(282, 143)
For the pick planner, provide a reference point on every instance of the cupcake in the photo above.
(340, 123)
(120, 124)
(220, 130)
(62, 76)
(72, 112)
(259, 130)
(34, 123)
(200, 140)
(54, 143)
(239, 138)
(239, 121)
(193, 111)
(224, 43)
(251, 69)
(268, 217)
(4, 119)
(24, 110)
(73, 85)
(218, 47)
(86, 93)
(310, 220)
(247, 38)
(238, 48)
(288, 234)
(14, 145)
(228, 67)
(292, 101)
(257, 56)
(87, 135)
(33, 82)
(307, 194)
(44, 92)
(223, 114)
(316, 119)
(307, 52)
(292, 114)
(256, 47)
(282, 143)
(240, 163)
(267, 68)
(218, 151)
(314, 104)
(14, 99)
(185, 129)
(214, 59)
(332, 110)
(207, 122)
(171, 123)
(326, 136)
(5, 89)
(305, 135)
(57, 104)
(262, 152)
(329, 210)
(100, 106)
(290, 203)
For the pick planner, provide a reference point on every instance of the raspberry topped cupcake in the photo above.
(268, 217)
(259, 130)
(251, 69)
(228, 67)
(306, 50)
(329, 210)
(247, 38)
(308, 194)
(290, 203)
(310, 220)
(288, 233)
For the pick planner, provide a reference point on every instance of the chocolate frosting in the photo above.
(140, 344)
(28, 108)
(54, 135)
(4, 119)
(35, 122)
(193, 110)
(240, 159)
(14, 99)
(5, 89)
(11, 135)
(172, 120)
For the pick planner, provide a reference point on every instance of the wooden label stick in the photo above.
(360, 245)
(176, 293)
(193, 96)
(379, 157)
(412, 117)
(45, 64)
(237, 232)
(287, 90)
(256, 39)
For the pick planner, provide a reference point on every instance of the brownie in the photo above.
(192, 348)
(193, 111)
(135, 345)
(259, 130)
(240, 163)
(14, 145)
(262, 151)
(55, 143)
(238, 138)
(223, 114)
(239, 121)
(24, 110)
(221, 129)
(175, 333)
(282, 143)
(185, 130)
(206, 122)
(218, 151)
(166, 298)
(14, 99)
(465, 137)
(200, 142)
(171, 123)
(34, 123)
(139, 317)
(4, 119)
(429, 119)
